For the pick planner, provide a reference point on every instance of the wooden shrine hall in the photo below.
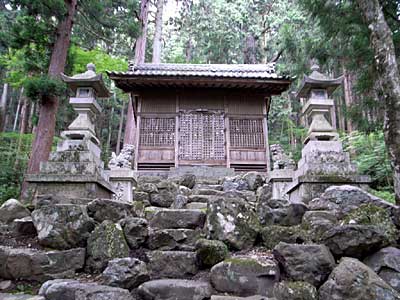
(212, 115)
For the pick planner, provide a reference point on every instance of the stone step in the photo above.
(201, 186)
(4, 296)
(172, 264)
(177, 289)
(73, 289)
(177, 218)
(196, 205)
(255, 297)
(208, 192)
(203, 198)
(32, 264)
(173, 239)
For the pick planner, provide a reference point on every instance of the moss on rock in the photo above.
(210, 252)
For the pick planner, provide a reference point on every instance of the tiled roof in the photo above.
(259, 71)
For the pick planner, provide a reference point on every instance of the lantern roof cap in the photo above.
(87, 79)
(318, 80)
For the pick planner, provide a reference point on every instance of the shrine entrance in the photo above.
(202, 137)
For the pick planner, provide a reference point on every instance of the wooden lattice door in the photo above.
(202, 136)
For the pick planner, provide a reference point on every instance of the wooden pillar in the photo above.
(137, 135)
(227, 133)
(265, 123)
(177, 130)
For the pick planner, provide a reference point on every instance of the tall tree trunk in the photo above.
(30, 118)
(348, 96)
(129, 137)
(189, 50)
(25, 113)
(250, 49)
(140, 48)
(17, 113)
(386, 64)
(41, 146)
(157, 41)
(121, 123)
(3, 107)
(140, 54)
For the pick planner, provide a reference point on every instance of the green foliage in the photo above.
(43, 87)
(369, 152)
(104, 62)
(14, 151)
(385, 195)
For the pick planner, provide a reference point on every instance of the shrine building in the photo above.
(207, 115)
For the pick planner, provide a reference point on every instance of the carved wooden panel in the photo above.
(246, 133)
(157, 132)
(201, 136)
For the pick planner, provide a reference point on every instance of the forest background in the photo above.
(293, 33)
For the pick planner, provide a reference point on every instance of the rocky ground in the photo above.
(189, 238)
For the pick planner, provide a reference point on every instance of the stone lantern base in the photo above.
(323, 164)
(74, 171)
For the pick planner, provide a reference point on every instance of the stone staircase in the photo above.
(202, 239)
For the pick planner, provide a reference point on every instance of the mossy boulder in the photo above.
(233, 221)
(105, 243)
(245, 276)
(210, 252)
(273, 234)
(295, 290)
(62, 226)
(316, 222)
(363, 231)
(351, 279)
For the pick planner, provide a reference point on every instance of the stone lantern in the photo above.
(323, 161)
(75, 173)
(87, 87)
(318, 107)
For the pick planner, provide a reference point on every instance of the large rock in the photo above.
(351, 279)
(106, 209)
(177, 218)
(317, 222)
(135, 231)
(173, 239)
(234, 183)
(176, 289)
(386, 263)
(280, 212)
(363, 231)
(232, 221)
(310, 263)
(105, 243)
(295, 290)
(272, 235)
(254, 180)
(12, 209)
(62, 226)
(188, 180)
(180, 202)
(23, 227)
(172, 264)
(245, 276)
(345, 198)
(210, 252)
(75, 290)
(127, 273)
(167, 192)
(30, 264)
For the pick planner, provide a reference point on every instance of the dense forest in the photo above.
(41, 39)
